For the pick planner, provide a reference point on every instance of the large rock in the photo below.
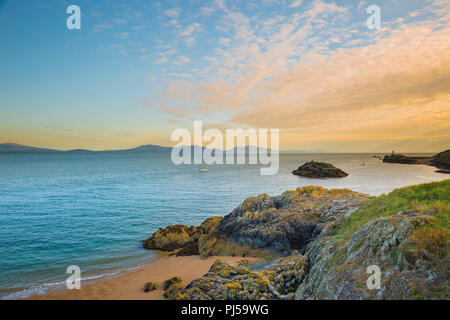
(339, 272)
(315, 169)
(171, 238)
(277, 280)
(339, 236)
(287, 222)
(261, 226)
(177, 237)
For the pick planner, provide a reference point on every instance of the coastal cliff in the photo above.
(318, 243)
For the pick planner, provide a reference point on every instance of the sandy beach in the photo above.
(130, 286)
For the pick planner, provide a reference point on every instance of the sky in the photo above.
(139, 69)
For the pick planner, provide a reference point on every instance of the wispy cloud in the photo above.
(285, 73)
(296, 4)
(122, 35)
(182, 60)
(120, 21)
(173, 13)
(101, 27)
(162, 60)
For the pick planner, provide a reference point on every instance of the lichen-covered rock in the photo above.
(150, 286)
(276, 281)
(340, 234)
(172, 291)
(261, 226)
(176, 237)
(316, 170)
(287, 222)
(174, 280)
(408, 272)
(170, 238)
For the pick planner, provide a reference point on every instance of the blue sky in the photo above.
(139, 69)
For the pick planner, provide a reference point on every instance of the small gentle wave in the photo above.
(61, 285)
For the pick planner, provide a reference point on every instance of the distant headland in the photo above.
(440, 160)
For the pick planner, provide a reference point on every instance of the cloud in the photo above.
(362, 4)
(190, 29)
(173, 13)
(170, 51)
(182, 60)
(173, 23)
(162, 60)
(120, 21)
(296, 4)
(220, 4)
(282, 73)
(188, 33)
(122, 35)
(101, 27)
(141, 27)
(224, 41)
(207, 11)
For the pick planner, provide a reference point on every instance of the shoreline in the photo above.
(130, 285)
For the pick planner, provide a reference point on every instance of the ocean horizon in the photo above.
(94, 209)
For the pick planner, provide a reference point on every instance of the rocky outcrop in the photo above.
(171, 238)
(399, 158)
(286, 222)
(442, 161)
(328, 239)
(179, 237)
(340, 272)
(314, 169)
(275, 280)
(405, 234)
(261, 226)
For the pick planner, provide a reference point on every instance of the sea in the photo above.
(92, 210)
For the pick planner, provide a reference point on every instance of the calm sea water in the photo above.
(92, 210)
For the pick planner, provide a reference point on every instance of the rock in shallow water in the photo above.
(314, 169)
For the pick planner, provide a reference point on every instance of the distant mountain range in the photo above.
(149, 148)
(17, 148)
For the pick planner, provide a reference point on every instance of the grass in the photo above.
(430, 199)
(430, 241)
